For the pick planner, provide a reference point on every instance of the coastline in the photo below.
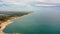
(4, 24)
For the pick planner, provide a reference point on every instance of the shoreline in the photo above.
(4, 24)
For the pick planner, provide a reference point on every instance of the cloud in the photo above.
(49, 1)
(54, 1)
(43, 5)
(12, 2)
(22, 2)
(25, 4)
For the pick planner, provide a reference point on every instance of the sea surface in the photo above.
(44, 20)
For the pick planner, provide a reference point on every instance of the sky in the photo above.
(18, 5)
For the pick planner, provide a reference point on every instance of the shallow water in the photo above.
(42, 21)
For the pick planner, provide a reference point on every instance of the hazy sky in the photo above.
(14, 5)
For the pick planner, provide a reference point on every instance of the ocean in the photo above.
(43, 20)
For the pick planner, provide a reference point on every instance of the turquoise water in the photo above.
(42, 21)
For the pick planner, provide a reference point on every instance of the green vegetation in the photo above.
(4, 16)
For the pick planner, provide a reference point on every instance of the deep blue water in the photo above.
(44, 20)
